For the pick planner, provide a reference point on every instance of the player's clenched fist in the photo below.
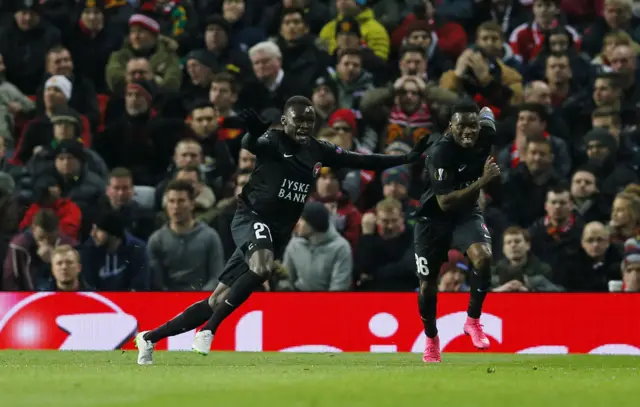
(491, 170)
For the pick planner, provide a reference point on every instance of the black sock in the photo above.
(239, 292)
(191, 318)
(480, 282)
(427, 306)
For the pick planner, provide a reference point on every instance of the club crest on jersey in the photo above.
(339, 150)
(316, 169)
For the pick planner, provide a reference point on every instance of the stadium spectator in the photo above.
(66, 270)
(119, 196)
(624, 62)
(555, 238)
(630, 266)
(625, 217)
(200, 66)
(12, 102)
(374, 35)
(144, 40)
(66, 126)
(6, 166)
(184, 255)
(91, 40)
(315, 12)
(452, 273)
(525, 40)
(349, 38)
(420, 34)
(27, 266)
(242, 34)
(205, 201)
(594, 265)
(83, 93)
(39, 131)
(139, 140)
(351, 80)
(112, 259)
(217, 43)
(602, 150)
(346, 218)
(246, 160)
(227, 209)
(317, 258)
(395, 184)
(217, 161)
(325, 101)
(384, 258)
(300, 56)
(525, 187)
(589, 204)
(520, 270)
(616, 16)
(485, 79)
(24, 41)
(532, 122)
(47, 194)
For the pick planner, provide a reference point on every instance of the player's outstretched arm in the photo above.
(338, 158)
(256, 127)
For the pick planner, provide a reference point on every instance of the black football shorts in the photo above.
(250, 233)
(433, 239)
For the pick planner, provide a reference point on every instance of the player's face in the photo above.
(298, 122)
(465, 129)
(595, 240)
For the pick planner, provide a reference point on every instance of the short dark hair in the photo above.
(55, 50)
(536, 108)
(296, 101)
(412, 49)
(540, 139)
(47, 220)
(201, 104)
(350, 52)
(464, 106)
(607, 111)
(120, 172)
(181, 186)
(491, 26)
(226, 77)
(294, 10)
(613, 78)
(560, 188)
(517, 230)
(191, 168)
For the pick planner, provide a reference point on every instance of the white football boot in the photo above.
(202, 342)
(145, 349)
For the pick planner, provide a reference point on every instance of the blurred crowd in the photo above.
(120, 151)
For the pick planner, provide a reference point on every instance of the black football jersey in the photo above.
(286, 173)
(451, 167)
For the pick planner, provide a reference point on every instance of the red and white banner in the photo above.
(327, 322)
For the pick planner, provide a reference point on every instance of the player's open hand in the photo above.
(491, 170)
(419, 148)
(253, 122)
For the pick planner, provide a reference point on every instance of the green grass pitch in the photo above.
(86, 379)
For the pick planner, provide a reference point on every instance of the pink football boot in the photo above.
(432, 351)
(473, 328)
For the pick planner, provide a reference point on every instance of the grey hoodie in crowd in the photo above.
(189, 262)
(324, 266)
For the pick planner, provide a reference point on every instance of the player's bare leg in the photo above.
(191, 318)
(480, 280)
(427, 299)
(260, 266)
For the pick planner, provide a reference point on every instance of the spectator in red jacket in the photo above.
(346, 217)
(526, 38)
(47, 194)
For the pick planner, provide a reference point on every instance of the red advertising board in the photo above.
(327, 322)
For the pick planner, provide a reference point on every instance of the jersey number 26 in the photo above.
(422, 265)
